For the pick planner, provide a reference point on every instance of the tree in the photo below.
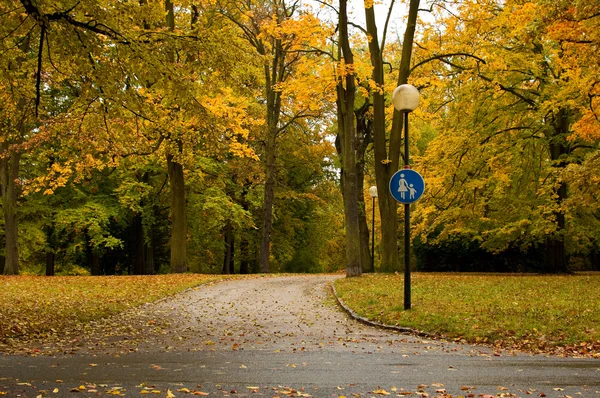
(527, 101)
(346, 94)
(387, 151)
(284, 37)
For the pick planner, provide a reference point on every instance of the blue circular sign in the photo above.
(407, 186)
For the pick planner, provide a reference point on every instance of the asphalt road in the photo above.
(281, 336)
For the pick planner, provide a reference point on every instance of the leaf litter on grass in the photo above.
(532, 313)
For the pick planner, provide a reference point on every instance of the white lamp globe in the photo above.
(373, 191)
(406, 98)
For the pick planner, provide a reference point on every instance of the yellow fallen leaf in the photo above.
(243, 367)
(170, 394)
(184, 390)
(55, 391)
(381, 392)
(200, 393)
(144, 392)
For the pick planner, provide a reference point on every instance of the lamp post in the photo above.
(373, 194)
(406, 99)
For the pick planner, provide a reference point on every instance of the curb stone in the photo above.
(369, 322)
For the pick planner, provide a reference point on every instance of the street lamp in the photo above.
(406, 99)
(373, 194)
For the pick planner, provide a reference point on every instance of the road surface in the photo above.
(277, 336)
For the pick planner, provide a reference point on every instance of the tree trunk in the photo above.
(178, 217)
(387, 161)
(51, 247)
(93, 257)
(229, 249)
(594, 260)
(9, 173)
(364, 137)
(347, 131)
(555, 256)
(138, 245)
(176, 178)
(365, 252)
(149, 257)
(269, 195)
(50, 257)
(245, 256)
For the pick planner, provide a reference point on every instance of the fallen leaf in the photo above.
(381, 392)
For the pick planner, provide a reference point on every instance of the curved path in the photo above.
(279, 336)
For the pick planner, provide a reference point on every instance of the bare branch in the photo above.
(441, 57)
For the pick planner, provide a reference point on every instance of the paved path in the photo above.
(281, 336)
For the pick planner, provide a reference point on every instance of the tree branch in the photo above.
(442, 57)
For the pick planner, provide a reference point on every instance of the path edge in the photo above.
(366, 321)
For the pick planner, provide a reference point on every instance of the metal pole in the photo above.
(407, 305)
(373, 239)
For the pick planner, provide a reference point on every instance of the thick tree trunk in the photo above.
(555, 256)
(387, 160)
(178, 217)
(347, 131)
(364, 137)
(9, 172)
(269, 195)
(143, 261)
(50, 258)
(176, 178)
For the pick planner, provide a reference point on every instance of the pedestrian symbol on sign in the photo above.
(407, 186)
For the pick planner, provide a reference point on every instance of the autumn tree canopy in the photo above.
(173, 136)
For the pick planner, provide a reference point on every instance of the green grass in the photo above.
(558, 314)
(35, 306)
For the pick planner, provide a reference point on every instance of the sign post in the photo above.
(406, 186)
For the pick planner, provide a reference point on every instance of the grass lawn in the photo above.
(36, 306)
(557, 314)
